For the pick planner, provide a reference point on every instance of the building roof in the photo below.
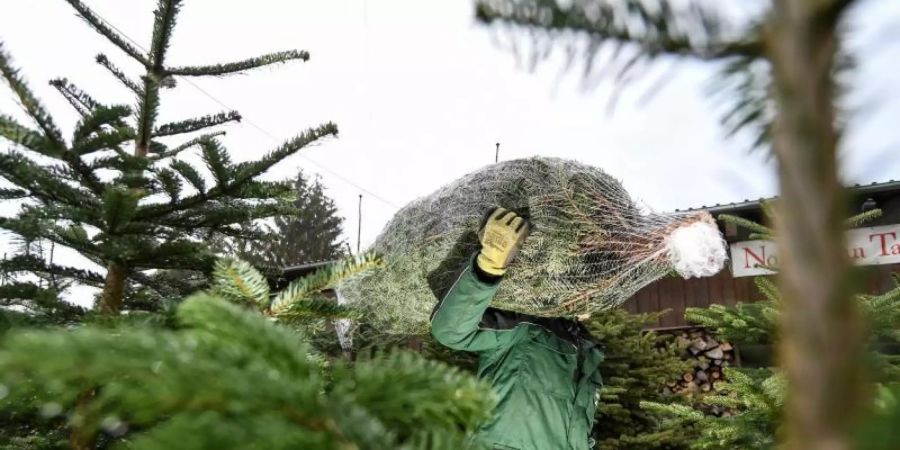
(291, 273)
(747, 204)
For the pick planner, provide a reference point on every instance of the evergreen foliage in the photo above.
(310, 233)
(229, 378)
(636, 367)
(116, 191)
(755, 398)
(303, 302)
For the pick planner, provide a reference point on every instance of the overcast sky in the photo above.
(421, 93)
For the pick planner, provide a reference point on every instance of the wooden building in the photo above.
(875, 246)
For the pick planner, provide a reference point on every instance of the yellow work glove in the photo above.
(501, 238)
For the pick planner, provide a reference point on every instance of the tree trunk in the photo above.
(79, 437)
(821, 330)
(113, 289)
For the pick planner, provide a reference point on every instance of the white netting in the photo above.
(590, 247)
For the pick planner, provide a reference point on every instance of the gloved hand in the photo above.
(501, 238)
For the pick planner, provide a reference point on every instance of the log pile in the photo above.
(710, 356)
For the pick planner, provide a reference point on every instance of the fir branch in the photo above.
(245, 172)
(98, 24)
(18, 134)
(214, 214)
(217, 161)
(13, 194)
(263, 190)
(240, 66)
(148, 108)
(402, 381)
(292, 301)
(32, 263)
(80, 100)
(251, 170)
(196, 141)
(129, 83)
(97, 119)
(165, 15)
(315, 309)
(112, 140)
(190, 174)
(863, 218)
(243, 382)
(747, 224)
(191, 125)
(238, 280)
(119, 206)
(170, 183)
(29, 102)
(42, 305)
(156, 148)
(38, 181)
(174, 254)
(657, 27)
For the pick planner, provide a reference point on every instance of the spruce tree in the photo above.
(310, 234)
(118, 191)
(313, 233)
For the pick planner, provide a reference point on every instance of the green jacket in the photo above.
(544, 371)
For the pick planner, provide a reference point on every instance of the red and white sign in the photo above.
(867, 247)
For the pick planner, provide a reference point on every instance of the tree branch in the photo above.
(175, 151)
(129, 83)
(28, 101)
(166, 12)
(98, 24)
(191, 125)
(662, 29)
(245, 172)
(239, 66)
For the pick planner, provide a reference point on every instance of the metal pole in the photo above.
(359, 226)
(497, 154)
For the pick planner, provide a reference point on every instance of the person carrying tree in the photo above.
(545, 371)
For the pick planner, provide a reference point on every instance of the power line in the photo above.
(258, 127)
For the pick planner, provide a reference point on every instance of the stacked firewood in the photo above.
(709, 356)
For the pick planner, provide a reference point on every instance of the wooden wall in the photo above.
(676, 294)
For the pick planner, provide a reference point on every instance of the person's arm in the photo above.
(455, 320)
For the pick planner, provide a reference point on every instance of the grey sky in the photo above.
(421, 94)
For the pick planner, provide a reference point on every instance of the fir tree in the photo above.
(313, 233)
(310, 234)
(230, 378)
(156, 209)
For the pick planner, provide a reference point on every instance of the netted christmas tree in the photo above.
(590, 246)
(119, 190)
